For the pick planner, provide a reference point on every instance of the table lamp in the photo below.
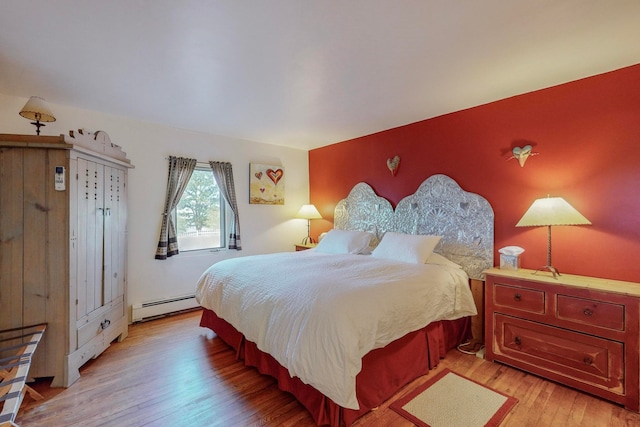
(547, 212)
(308, 212)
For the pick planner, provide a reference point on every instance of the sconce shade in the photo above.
(551, 211)
(308, 212)
(37, 109)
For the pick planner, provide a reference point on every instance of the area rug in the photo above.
(452, 400)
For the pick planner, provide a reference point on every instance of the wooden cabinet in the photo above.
(576, 330)
(63, 250)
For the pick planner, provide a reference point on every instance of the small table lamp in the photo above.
(37, 109)
(547, 212)
(308, 212)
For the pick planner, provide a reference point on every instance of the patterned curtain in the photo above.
(223, 174)
(180, 171)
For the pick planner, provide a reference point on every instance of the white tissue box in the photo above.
(509, 262)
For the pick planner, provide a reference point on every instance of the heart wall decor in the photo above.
(393, 164)
(522, 154)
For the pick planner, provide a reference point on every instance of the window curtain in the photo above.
(180, 171)
(223, 174)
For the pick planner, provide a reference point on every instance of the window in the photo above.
(200, 216)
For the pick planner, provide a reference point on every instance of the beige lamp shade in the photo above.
(308, 212)
(37, 109)
(551, 211)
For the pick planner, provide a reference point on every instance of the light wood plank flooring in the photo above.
(171, 372)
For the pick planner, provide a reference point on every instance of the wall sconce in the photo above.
(37, 109)
(547, 212)
(308, 212)
(393, 164)
(522, 154)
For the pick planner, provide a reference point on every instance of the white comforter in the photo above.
(319, 314)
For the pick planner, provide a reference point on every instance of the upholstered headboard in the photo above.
(439, 207)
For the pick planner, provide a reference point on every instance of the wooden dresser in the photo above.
(579, 331)
(63, 246)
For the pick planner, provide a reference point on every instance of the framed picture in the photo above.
(266, 184)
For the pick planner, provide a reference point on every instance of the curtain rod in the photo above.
(197, 163)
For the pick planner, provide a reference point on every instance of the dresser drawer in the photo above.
(579, 356)
(100, 324)
(591, 312)
(528, 300)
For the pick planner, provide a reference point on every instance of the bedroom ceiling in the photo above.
(304, 73)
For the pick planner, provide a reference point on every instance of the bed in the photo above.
(377, 304)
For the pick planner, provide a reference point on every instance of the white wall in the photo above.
(264, 228)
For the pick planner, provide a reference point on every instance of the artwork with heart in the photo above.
(266, 191)
(393, 164)
(275, 175)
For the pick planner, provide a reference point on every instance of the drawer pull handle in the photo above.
(105, 323)
(518, 341)
(587, 312)
(587, 360)
(517, 297)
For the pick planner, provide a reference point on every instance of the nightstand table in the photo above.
(579, 331)
(304, 247)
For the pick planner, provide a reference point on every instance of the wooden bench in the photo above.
(19, 344)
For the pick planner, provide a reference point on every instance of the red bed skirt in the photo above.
(384, 371)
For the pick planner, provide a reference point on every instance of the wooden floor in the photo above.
(171, 372)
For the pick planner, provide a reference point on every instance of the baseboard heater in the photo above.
(163, 307)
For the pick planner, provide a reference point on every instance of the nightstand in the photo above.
(579, 331)
(304, 247)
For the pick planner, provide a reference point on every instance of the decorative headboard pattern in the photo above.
(439, 207)
(364, 210)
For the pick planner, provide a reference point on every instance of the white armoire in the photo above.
(63, 246)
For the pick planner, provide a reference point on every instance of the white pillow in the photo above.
(438, 259)
(411, 248)
(345, 242)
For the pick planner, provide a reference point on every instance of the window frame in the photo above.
(224, 207)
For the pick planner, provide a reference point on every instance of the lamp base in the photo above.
(38, 125)
(550, 268)
(308, 241)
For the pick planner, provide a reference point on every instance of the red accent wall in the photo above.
(587, 134)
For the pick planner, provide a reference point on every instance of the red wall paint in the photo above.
(587, 134)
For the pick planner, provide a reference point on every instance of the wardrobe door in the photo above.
(114, 233)
(90, 236)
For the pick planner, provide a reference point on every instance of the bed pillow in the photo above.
(438, 259)
(345, 242)
(412, 248)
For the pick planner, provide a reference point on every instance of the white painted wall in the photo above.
(264, 228)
